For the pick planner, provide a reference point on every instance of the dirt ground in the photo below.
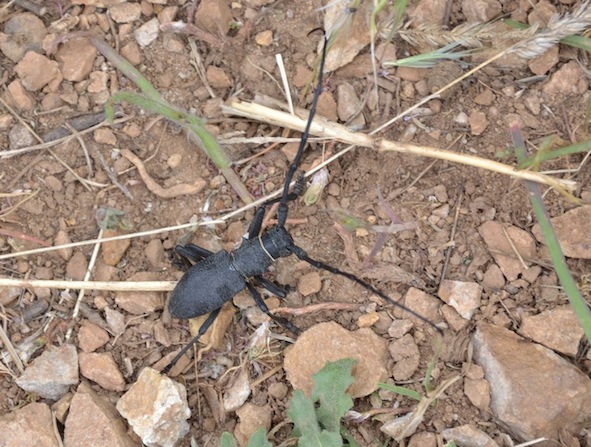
(419, 190)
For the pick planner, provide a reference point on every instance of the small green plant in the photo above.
(316, 419)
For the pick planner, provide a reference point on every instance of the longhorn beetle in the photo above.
(218, 277)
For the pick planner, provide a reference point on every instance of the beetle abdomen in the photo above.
(206, 287)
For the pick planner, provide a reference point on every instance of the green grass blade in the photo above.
(568, 283)
(583, 146)
(401, 390)
(126, 68)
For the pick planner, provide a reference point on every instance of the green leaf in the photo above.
(227, 440)
(332, 382)
(259, 439)
(401, 390)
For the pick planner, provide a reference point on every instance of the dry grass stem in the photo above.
(528, 43)
(116, 286)
(324, 128)
(10, 348)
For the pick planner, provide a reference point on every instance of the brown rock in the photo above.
(113, 251)
(347, 44)
(548, 328)
(309, 284)
(573, 230)
(405, 353)
(156, 408)
(36, 71)
(429, 12)
(132, 53)
(155, 253)
(481, 11)
(501, 250)
(91, 337)
(493, 277)
(217, 77)
(464, 297)
(568, 80)
(23, 32)
(29, 425)
(139, 303)
(478, 122)
(349, 104)
(423, 304)
(542, 64)
(18, 96)
(76, 58)
(534, 392)
(486, 98)
(478, 392)
(250, 418)
(468, 435)
(52, 373)
(214, 16)
(77, 266)
(102, 369)
(327, 106)
(125, 12)
(93, 421)
(328, 342)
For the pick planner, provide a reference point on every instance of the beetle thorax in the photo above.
(277, 241)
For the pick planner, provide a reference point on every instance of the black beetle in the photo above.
(217, 277)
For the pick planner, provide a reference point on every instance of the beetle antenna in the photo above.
(282, 211)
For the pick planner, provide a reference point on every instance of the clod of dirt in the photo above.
(501, 250)
(566, 81)
(549, 328)
(405, 353)
(217, 77)
(469, 435)
(349, 42)
(423, 439)
(154, 253)
(52, 373)
(93, 420)
(309, 284)
(464, 297)
(238, 392)
(91, 337)
(77, 266)
(349, 104)
(399, 327)
(573, 230)
(113, 251)
(102, 369)
(478, 392)
(23, 32)
(478, 122)
(147, 33)
(534, 392)
(423, 304)
(36, 71)
(328, 342)
(125, 12)
(62, 238)
(139, 303)
(251, 418)
(76, 58)
(214, 16)
(156, 407)
(30, 422)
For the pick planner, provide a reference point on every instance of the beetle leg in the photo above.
(192, 252)
(261, 303)
(272, 287)
(301, 253)
(202, 330)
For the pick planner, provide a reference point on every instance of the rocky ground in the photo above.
(512, 356)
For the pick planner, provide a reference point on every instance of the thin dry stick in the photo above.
(324, 128)
(84, 148)
(117, 286)
(91, 263)
(65, 139)
(10, 348)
